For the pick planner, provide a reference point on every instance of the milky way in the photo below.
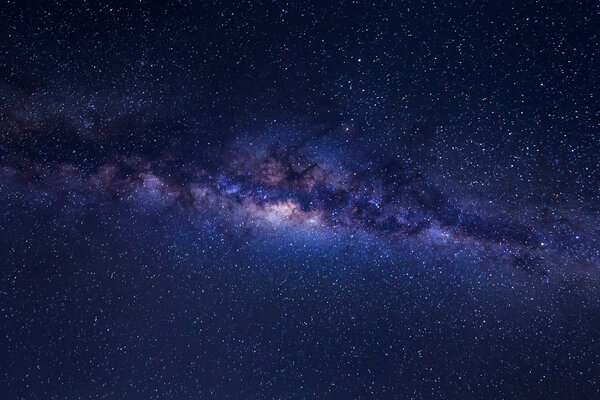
(305, 188)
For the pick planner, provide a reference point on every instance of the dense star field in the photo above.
(300, 200)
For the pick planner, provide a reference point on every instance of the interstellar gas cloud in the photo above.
(300, 200)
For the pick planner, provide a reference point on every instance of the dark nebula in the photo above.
(300, 200)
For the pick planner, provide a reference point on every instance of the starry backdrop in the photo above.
(300, 200)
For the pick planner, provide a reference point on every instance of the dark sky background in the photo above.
(300, 200)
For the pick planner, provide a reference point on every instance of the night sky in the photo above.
(300, 200)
